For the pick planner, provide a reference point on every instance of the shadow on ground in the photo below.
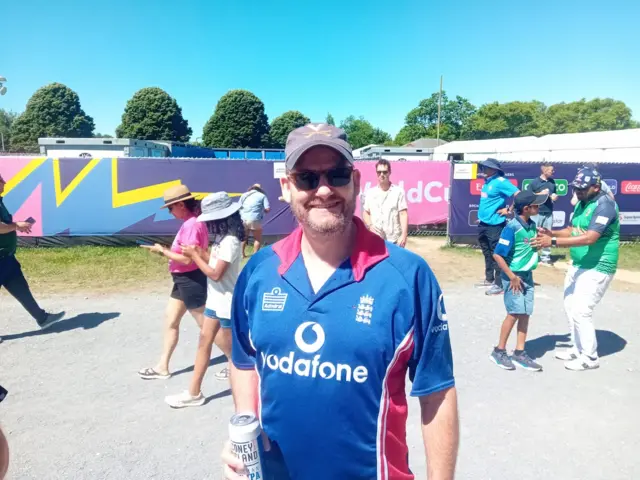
(224, 393)
(86, 321)
(214, 361)
(608, 343)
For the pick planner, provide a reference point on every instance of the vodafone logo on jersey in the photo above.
(443, 325)
(631, 187)
(309, 339)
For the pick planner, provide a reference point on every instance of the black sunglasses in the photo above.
(309, 180)
(382, 172)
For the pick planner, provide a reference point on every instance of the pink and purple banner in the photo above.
(425, 184)
(111, 196)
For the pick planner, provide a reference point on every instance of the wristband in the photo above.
(554, 242)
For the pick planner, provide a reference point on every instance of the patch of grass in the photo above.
(94, 268)
(91, 267)
(629, 254)
(462, 250)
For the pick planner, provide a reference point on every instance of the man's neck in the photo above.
(544, 177)
(328, 249)
(385, 186)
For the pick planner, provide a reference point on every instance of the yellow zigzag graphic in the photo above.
(119, 199)
(143, 194)
(62, 194)
(24, 173)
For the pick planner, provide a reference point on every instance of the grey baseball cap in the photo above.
(312, 135)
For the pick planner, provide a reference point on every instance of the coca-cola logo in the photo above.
(631, 187)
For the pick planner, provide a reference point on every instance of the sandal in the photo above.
(151, 374)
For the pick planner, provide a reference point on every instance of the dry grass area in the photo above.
(108, 269)
(463, 264)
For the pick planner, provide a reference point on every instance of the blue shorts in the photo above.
(224, 322)
(520, 303)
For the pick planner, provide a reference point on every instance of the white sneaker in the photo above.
(185, 399)
(582, 363)
(566, 355)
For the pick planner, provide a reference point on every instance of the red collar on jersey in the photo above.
(368, 250)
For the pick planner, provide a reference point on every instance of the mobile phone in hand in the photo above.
(30, 220)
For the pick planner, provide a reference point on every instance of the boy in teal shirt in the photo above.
(517, 259)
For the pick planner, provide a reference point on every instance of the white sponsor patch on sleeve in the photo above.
(504, 242)
(602, 220)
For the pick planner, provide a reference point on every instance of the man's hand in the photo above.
(23, 227)
(541, 241)
(402, 241)
(233, 468)
(554, 197)
(503, 211)
(516, 284)
(545, 231)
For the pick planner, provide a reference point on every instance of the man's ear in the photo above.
(356, 180)
(285, 187)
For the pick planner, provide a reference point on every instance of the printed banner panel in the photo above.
(111, 196)
(623, 179)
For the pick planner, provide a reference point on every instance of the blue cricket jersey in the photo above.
(332, 364)
(494, 196)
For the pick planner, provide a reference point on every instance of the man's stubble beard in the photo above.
(339, 225)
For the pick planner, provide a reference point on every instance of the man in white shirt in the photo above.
(385, 208)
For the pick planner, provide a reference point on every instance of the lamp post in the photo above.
(3, 90)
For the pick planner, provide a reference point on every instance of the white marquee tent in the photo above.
(619, 146)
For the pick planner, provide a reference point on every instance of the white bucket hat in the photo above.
(216, 206)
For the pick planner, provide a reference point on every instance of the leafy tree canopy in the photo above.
(152, 114)
(361, 133)
(285, 124)
(52, 111)
(238, 121)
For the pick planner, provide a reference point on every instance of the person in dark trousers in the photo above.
(545, 185)
(11, 276)
(492, 214)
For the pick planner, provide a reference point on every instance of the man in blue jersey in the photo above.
(326, 324)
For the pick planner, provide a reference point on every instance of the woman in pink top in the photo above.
(189, 283)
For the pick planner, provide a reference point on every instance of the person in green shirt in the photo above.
(11, 276)
(517, 260)
(594, 242)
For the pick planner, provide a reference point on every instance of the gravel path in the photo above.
(77, 410)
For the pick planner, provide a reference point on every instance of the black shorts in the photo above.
(191, 288)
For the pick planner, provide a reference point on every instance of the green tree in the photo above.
(589, 116)
(506, 120)
(283, 125)
(152, 114)
(453, 116)
(409, 133)
(361, 133)
(238, 121)
(6, 120)
(330, 120)
(52, 111)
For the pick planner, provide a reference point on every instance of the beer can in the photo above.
(246, 441)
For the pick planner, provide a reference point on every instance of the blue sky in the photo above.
(372, 58)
